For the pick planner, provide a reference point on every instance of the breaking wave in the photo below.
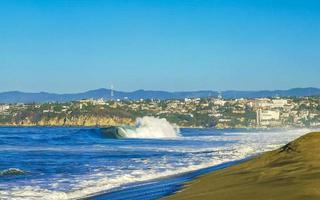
(146, 127)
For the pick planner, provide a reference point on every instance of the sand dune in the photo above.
(291, 172)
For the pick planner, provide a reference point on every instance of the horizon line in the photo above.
(169, 91)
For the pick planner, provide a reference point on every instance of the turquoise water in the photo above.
(72, 163)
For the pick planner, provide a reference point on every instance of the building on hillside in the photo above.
(279, 103)
(4, 108)
(268, 118)
(263, 103)
(219, 102)
(92, 101)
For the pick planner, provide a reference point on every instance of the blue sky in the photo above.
(71, 46)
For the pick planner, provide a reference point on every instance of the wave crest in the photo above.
(146, 127)
(12, 171)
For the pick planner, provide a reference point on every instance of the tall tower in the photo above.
(111, 91)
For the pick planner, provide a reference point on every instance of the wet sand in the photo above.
(157, 188)
(289, 173)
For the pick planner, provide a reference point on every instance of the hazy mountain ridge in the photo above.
(25, 97)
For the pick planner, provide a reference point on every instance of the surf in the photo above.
(146, 127)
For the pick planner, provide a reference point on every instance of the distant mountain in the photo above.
(23, 97)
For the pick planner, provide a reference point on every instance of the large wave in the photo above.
(146, 127)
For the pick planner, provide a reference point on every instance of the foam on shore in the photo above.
(288, 173)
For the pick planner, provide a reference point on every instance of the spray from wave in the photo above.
(152, 127)
(146, 127)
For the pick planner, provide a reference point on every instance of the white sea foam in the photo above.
(152, 127)
(248, 144)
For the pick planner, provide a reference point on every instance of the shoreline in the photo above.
(160, 177)
(290, 172)
(167, 185)
(181, 127)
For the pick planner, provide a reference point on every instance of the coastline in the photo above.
(62, 135)
(291, 172)
(158, 187)
(132, 124)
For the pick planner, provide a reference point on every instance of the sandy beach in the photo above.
(291, 172)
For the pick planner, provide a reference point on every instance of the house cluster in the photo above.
(205, 112)
(288, 112)
(260, 112)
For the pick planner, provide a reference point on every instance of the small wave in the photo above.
(12, 171)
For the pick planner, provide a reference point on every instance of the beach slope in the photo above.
(291, 172)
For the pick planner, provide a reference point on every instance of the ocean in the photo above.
(75, 163)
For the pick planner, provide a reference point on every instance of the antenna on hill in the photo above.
(111, 91)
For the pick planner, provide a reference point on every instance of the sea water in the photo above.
(71, 163)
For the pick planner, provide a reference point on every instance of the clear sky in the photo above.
(71, 46)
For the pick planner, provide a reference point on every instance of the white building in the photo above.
(268, 117)
(263, 103)
(100, 101)
(3, 108)
(219, 102)
(279, 103)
